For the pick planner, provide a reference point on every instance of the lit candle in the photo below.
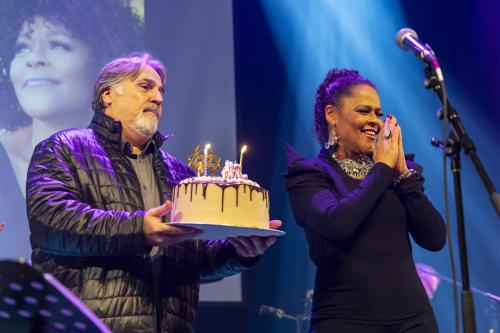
(205, 159)
(242, 151)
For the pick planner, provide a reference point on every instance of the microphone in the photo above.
(407, 39)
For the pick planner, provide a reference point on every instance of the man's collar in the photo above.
(110, 130)
(126, 148)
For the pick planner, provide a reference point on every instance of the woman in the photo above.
(50, 54)
(358, 201)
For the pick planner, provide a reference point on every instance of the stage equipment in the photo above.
(299, 319)
(407, 39)
(36, 302)
(493, 309)
(457, 139)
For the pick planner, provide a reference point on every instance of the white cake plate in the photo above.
(219, 231)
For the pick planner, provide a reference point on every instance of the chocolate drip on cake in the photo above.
(223, 188)
(249, 210)
(205, 185)
(237, 192)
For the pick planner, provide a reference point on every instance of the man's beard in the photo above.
(145, 126)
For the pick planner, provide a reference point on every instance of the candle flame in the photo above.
(207, 147)
(243, 149)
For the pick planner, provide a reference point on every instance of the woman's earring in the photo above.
(333, 139)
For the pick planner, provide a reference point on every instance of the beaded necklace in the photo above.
(358, 168)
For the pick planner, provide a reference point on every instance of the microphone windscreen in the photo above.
(400, 36)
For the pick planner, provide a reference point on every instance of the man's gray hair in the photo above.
(118, 70)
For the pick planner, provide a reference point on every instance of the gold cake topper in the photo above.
(203, 161)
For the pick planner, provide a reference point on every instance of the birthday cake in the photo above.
(231, 199)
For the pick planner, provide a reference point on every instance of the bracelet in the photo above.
(404, 175)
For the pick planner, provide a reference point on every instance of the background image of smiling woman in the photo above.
(50, 76)
(50, 53)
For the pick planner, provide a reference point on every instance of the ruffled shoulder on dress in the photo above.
(292, 156)
(298, 162)
(301, 169)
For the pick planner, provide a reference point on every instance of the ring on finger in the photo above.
(387, 133)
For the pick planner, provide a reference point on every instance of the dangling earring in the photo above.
(333, 139)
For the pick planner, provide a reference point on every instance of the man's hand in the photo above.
(160, 234)
(1, 226)
(253, 246)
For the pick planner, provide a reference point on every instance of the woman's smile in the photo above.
(40, 82)
(370, 133)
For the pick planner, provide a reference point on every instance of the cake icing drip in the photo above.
(231, 199)
(192, 187)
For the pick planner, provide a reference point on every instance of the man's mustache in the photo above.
(154, 108)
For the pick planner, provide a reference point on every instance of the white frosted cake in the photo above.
(228, 200)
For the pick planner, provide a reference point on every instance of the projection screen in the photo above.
(48, 68)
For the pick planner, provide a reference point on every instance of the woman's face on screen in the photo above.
(50, 70)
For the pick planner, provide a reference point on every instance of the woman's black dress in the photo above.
(358, 234)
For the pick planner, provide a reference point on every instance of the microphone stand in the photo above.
(299, 319)
(460, 137)
(457, 140)
(281, 314)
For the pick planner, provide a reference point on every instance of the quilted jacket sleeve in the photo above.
(218, 259)
(61, 223)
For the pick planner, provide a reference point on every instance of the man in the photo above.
(95, 201)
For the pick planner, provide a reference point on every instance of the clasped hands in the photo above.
(157, 233)
(389, 150)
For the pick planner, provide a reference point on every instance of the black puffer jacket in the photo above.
(85, 212)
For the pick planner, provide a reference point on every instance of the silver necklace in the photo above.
(354, 168)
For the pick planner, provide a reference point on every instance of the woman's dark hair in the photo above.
(337, 84)
(108, 28)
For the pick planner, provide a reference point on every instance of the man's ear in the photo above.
(107, 96)
(331, 114)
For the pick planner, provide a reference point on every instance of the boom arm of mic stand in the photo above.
(465, 141)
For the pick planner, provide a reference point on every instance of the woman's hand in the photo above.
(401, 167)
(253, 246)
(387, 148)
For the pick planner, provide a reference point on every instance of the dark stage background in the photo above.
(282, 52)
